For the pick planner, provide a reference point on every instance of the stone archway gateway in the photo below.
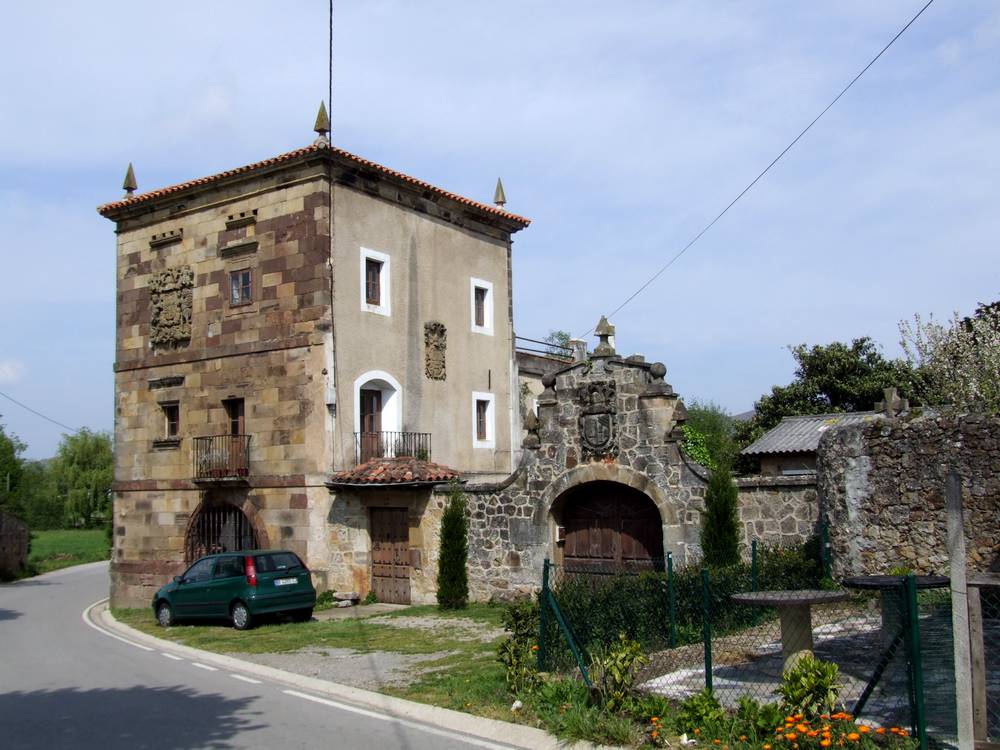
(219, 526)
(608, 525)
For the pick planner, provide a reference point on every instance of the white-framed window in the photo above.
(481, 306)
(375, 282)
(483, 420)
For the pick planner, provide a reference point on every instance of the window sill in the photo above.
(166, 444)
(482, 331)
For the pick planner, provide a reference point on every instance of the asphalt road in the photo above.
(65, 684)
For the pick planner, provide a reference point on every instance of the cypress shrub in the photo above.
(453, 576)
(720, 530)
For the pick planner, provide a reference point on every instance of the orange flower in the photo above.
(534, 648)
(655, 734)
(863, 729)
(824, 716)
(767, 746)
(812, 733)
(798, 717)
(697, 731)
(825, 743)
(854, 736)
(789, 719)
(802, 728)
(880, 730)
(743, 738)
(791, 736)
(716, 742)
(903, 733)
(894, 730)
(655, 719)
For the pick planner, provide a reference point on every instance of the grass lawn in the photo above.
(60, 548)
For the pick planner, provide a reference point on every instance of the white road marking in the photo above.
(86, 619)
(171, 656)
(403, 722)
(240, 677)
(204, 666)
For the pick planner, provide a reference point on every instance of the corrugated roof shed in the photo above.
(801, 434)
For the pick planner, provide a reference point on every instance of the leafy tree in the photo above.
(11, 469)
(82, 472)
(453, 576)
(558, 342)
(834, 378)
(720, 527)
(42, 507)
(957, 363)
(708, 435)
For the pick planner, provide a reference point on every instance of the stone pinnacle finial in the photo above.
(604, 332)
(499, 197)
(322, 125)
(129, 186)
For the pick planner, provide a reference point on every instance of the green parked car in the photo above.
(240, 586)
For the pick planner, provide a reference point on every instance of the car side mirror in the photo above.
(178, 580)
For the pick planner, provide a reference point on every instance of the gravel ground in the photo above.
(458, 628)
(370, 671)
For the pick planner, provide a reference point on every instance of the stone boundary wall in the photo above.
(14, 541)
(777, 510)
(881, 486)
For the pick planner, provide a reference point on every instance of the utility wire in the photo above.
(74, 430)
(767, 169)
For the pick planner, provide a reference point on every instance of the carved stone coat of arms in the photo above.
(170, 295)
(435, 345)
(598, 433)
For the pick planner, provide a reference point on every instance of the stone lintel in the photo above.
(166, 238)
(240, 247)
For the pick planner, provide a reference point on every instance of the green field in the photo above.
(60, 548)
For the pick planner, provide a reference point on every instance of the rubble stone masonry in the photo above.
(882, 487)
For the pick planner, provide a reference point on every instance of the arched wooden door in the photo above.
(609, 525)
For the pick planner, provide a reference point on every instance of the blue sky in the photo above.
(619, 128)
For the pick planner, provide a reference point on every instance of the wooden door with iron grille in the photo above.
(391, 555)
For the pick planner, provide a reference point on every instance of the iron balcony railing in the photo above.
(222, 457)
(369, 445)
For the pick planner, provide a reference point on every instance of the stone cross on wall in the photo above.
(892, 404)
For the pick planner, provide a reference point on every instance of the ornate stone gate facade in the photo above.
(603, 419)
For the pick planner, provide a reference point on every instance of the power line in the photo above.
(767, 169)
(74, 430)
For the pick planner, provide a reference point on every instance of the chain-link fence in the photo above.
(737, 630)
(984, 627)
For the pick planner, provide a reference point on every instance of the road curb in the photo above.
(502, 732)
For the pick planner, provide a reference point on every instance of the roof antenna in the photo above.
(129, 186)
(499, 197)
(322, 126)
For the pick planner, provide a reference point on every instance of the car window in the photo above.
(200, 571)
(278, 561)
(229, 567)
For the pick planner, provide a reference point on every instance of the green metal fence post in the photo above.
(918, 714)
(542, 619)
(581, 661)
(753, 565)
(824, 546)
(707, 626)
(671, 600)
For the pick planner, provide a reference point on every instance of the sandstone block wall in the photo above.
(777, 510)
(14, 542)
(882, 488)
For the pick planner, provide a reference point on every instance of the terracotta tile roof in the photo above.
(403, 470)
(292, 155)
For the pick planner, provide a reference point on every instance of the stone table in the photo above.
(891, 600)
(795, 612)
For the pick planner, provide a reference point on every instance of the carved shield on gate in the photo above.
(597, 431)
(598, 435)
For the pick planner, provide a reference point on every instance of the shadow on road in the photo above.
(8, 614)
(138, 718)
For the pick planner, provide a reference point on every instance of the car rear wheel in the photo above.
(302, 615)
(164, 615)
(240, 615)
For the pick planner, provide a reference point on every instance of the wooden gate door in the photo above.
(391, 555)
(610, 526)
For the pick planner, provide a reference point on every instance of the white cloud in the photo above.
(10, 371)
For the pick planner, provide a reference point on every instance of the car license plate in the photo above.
(285, 581)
